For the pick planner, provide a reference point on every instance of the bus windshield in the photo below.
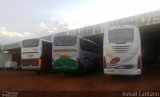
(120, 36)
(65, 40)
(30, 43)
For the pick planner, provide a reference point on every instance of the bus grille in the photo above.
(120, 49)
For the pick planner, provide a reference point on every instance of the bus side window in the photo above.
(83, 45)
(46, 45)
(88, 46)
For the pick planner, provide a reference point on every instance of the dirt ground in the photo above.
(28, 83)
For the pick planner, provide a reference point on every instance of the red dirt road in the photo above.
(30, 81)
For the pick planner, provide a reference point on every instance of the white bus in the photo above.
(36, 54)
(74, 54)
(122, 50)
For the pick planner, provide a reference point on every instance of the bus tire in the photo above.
(138, 76)
(80, 68)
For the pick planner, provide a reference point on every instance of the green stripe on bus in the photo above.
(65, 65)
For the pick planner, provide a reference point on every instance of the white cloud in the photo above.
(10, 37)
(43, 25)
(99, 11)
(53, 19)
(56, 27)
(7, 37)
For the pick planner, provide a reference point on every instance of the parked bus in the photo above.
(122, 50)
(74, 54)
(36, 55)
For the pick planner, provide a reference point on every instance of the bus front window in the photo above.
(65, 40)
(121, 36)
(30, 43)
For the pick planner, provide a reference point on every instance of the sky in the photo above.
(23, 19)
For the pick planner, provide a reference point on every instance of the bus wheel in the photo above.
(138, 76)
(89, 68)
(82, 69)
(86, 68)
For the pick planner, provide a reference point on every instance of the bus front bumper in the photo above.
(65, 69)
(31, 67)
(123, 71)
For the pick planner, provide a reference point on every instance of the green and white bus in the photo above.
(74, 54)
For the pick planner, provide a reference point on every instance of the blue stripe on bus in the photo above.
(127, 66)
